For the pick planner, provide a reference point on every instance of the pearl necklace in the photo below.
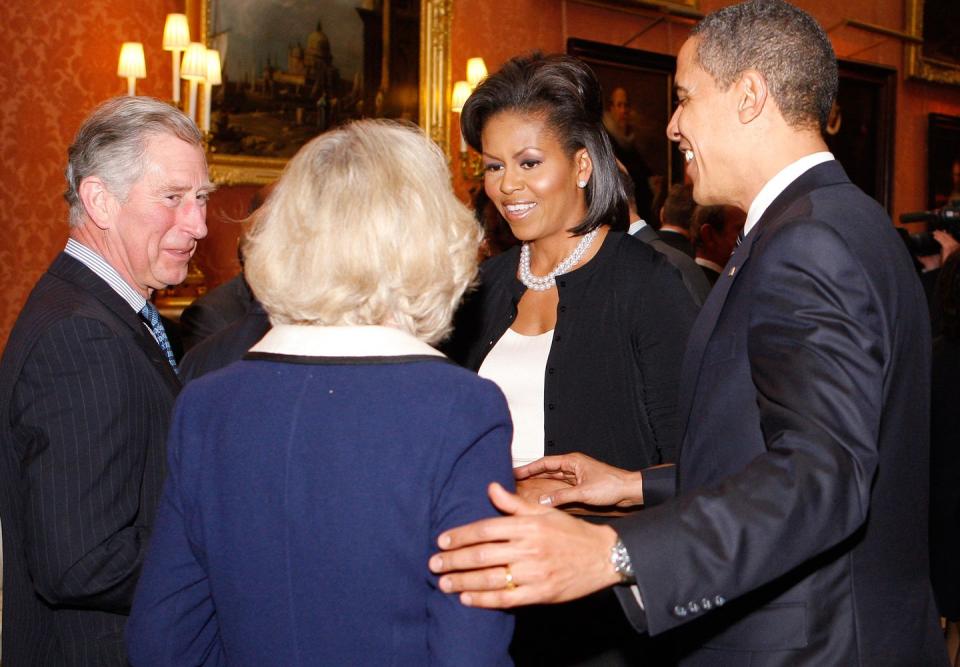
(543, 283)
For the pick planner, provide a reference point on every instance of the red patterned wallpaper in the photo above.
(61, 58)
(60, 61)
(497, 31)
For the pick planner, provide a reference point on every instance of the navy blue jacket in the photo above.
(305, 496)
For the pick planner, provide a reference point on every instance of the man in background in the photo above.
(718, 228)
(87, 384)
(693, 278)
(676, 216)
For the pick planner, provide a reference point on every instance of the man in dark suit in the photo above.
(87, 384)
(718, 229)
(800, 528)
(215, 310)
(693, 278)
(676, 216)
(227, 345)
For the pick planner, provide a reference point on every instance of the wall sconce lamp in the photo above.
(471, 167)
(194, 69)
(212, 79)
(176, 39)
(476, 72)
(132, 65)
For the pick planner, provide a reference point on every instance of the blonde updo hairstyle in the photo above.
(363, 228)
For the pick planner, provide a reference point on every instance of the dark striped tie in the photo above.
(740, 237)
(152, 317)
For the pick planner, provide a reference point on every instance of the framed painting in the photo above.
(859, 131)
(293, 69)
(943, 161)
(938, 57)
(638, 102)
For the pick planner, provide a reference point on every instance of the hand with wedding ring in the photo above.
(534, 555)
(510, 585)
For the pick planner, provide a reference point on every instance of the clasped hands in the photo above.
(537, 554)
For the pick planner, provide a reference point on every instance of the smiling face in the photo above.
(703, 125)
(154, 232)
(531, 179)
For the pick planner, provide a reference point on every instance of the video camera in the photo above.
(946, 218)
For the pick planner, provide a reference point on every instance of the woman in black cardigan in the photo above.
(582, 327)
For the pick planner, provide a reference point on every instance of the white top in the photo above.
(779, 183)
(517, 364)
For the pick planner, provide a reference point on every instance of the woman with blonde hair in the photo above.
(309, 481)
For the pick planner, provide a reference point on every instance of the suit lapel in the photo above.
(827, 173)
(646, 234)
(75, 272)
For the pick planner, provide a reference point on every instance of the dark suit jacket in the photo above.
(214, 311)
(677, 241)
(693, 278)
(945, 477)
(227, 345)
(800, 533)
(711, 275)
(85, 399)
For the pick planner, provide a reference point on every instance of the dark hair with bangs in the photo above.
(565, 91)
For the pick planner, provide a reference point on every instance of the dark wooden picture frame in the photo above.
(647, 79)
(943, 160)
(860, 130)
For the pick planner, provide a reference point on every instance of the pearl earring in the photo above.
(581, 184)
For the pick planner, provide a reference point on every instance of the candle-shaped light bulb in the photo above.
(176, 38)
(132, 65)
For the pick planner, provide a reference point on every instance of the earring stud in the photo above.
(581, 184)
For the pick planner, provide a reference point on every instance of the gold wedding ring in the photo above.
(510, 585)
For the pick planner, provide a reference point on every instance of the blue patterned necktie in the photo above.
(740, 238)
(152, 317)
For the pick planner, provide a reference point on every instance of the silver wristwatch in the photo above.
(620, 560)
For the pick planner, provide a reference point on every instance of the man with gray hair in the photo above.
(798, 534)
(87, 384)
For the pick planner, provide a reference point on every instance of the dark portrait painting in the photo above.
(943, 167)
(638, 101)
(936, 56)
(941, 31)
(859, 131)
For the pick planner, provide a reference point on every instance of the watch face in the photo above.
(620, 559)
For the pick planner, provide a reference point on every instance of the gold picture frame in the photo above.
(433, 95)
(922, 64)
(685, 9)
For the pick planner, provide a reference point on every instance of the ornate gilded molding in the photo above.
(919, 66)
(435, 77)
(240, 170)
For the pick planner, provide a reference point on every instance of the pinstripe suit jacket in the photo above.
(85, 401)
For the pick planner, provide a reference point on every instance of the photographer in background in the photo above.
(931, 248)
